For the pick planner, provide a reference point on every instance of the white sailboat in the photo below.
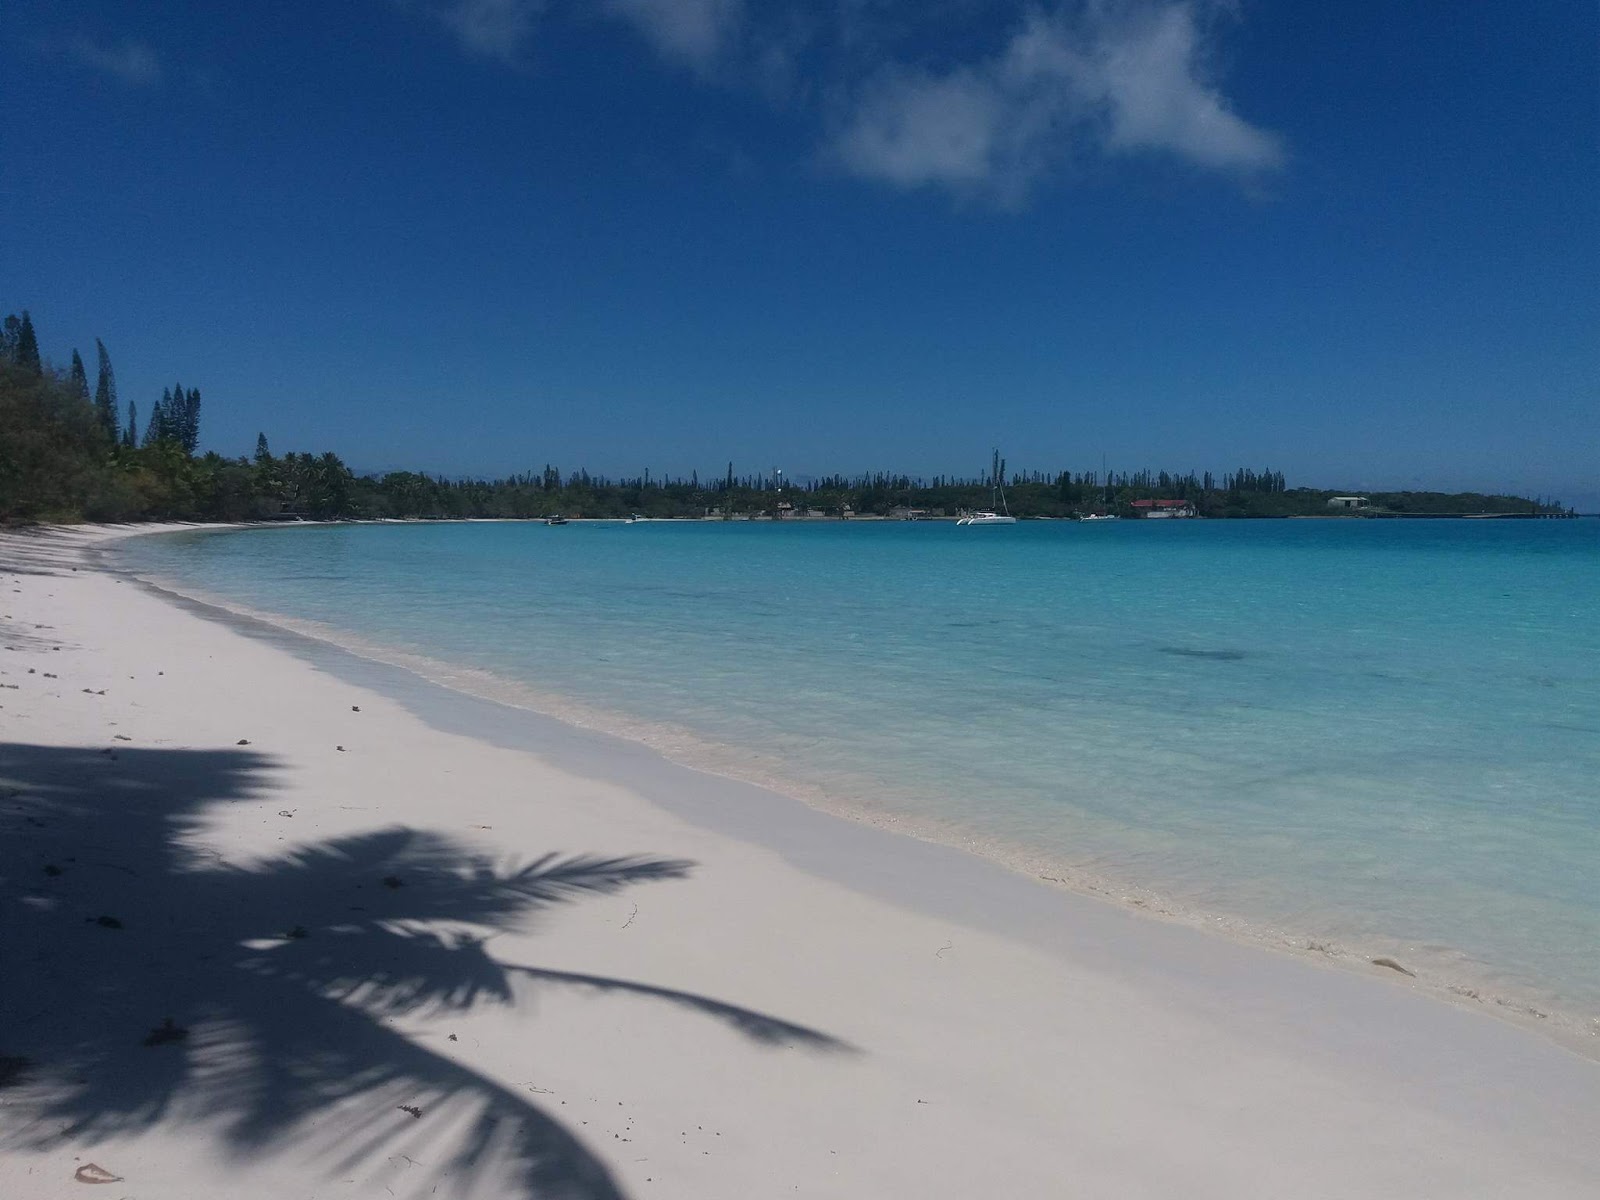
(1000, 514)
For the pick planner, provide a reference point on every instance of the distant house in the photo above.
(1163, 508)
(1344, 502)
(905, 513)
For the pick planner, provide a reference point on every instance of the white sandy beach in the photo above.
(464, 951)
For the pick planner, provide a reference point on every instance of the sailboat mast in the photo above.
(998, 487)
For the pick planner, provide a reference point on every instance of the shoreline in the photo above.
(978, 1030)
(1388, 959)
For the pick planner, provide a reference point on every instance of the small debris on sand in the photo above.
(1392, 965)
(93, 1173)
(393, 881)
(339, 748)
(242, 742)
(355, 708)
(120, 737)
(410, 1108)
(299, 931)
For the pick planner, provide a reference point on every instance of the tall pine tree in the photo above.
(26, 354)
(78, 379)
(105, 390)
(176, 417)
(156, 430)
(192, 404)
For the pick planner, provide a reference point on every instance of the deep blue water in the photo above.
(1381, 733)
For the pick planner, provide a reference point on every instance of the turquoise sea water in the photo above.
(1381, 735)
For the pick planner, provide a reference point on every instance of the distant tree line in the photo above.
(68, 453)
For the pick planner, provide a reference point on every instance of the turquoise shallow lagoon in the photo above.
(1380, 735)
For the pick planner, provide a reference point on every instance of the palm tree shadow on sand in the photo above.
(147, 980)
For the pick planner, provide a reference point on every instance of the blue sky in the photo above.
(1359, 243)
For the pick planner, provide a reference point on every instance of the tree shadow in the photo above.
(44, 549)
(149, 980)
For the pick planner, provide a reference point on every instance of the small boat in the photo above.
(985, 517)
(1098, 517)
(1000, 514)
(557, 519)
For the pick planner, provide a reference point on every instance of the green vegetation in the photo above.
(67, 457)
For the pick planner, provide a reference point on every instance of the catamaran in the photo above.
(1000, 514)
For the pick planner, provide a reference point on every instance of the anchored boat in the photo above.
(1000, 514)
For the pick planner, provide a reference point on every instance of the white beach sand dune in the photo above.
(268, 932)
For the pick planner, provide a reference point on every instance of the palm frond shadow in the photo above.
(148, 980)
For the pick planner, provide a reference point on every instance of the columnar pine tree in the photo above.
(78, 378)
(177, 419)
(105, 391)
(27, 351)
(130, 437)
(191, 404)
(156, 430)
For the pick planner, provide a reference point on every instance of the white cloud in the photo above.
(693, 32)
(913, 127)
(132, 62)
(1120, 79)
(1147, 74)
(1070, 78)
(497, 29)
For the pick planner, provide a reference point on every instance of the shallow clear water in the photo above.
(1381, 733)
